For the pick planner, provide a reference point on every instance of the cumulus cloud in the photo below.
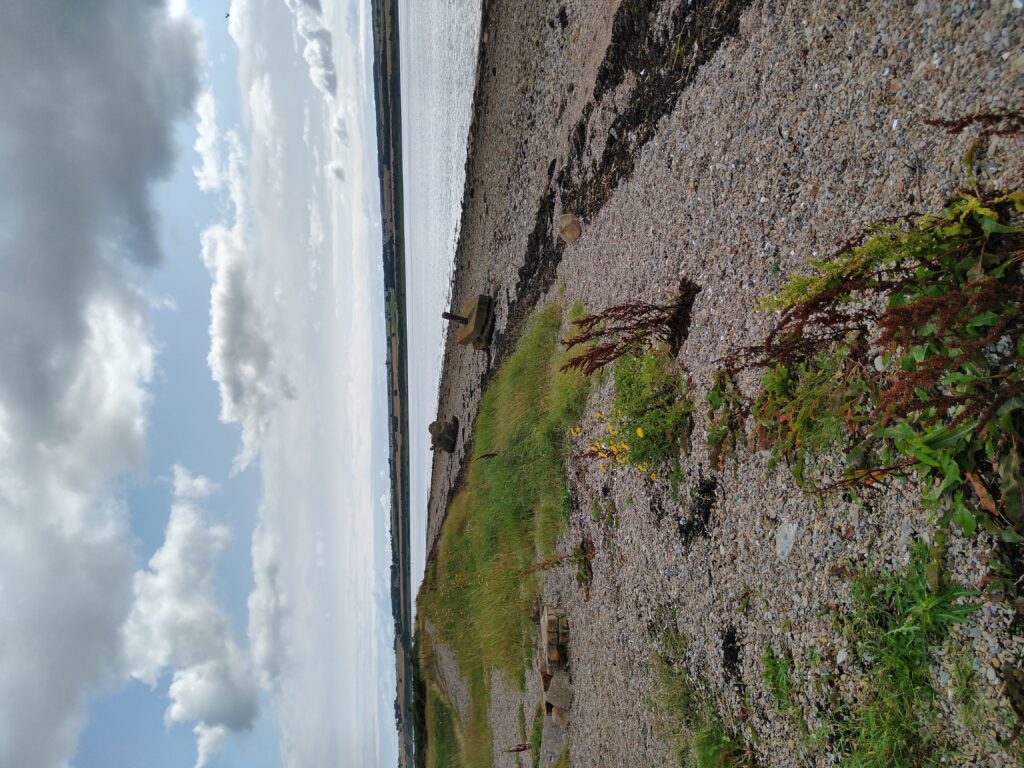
(91, 95)
(318, 50)
(176, 624)
(242, 358)
(207, 146)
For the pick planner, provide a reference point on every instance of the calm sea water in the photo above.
(439, 40)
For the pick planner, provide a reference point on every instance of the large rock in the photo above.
(559, 692)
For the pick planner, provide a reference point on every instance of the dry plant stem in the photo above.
(630, 327)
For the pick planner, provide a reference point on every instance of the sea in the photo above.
(439, 46)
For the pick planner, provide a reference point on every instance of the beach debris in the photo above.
(569, 228)
(476, 321)
(444, 435)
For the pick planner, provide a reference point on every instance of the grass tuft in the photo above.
(688, 721)
(479, 589)
(897, 621)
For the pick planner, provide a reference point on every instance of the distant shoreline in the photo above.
(388, 101)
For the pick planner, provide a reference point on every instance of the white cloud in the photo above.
(83, 141)
(176, 624)
(267, 608)
(242, 358)
(319, 45)
(336, 169)
(209, 741)
(189, 486)
(208, 174)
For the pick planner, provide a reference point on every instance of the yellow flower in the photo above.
(600, 415)
(639, 431)
(603, 467)
(653, 476)
(623, 445)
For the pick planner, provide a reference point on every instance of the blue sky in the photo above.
(193, 558)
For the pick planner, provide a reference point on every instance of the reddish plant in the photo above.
(631, 327)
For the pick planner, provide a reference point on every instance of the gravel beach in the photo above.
(801, 124)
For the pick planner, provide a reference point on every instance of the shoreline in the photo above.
(388, 103)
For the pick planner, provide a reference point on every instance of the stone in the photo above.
(559, 692)
(560, 717)
(785, 538)
(569, 227)
(444, 435)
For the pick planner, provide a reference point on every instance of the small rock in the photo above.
(785, 537)
(569, 227)
(841, 656)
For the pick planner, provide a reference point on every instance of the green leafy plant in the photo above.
(652, 407)
(652, 418)
(904, 352)
(726, 415)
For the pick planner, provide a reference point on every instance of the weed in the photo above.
(652, 418)
(652, 407)
(963, 685)
(778, 679)
(726, 414)
(898, 618)
(686, 718)
(630, 329)
(905, 351)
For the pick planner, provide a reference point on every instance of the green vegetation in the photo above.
(778, 679)
(905, 354)
(726, 414)
(897, 621)
(965, 689)
(481, 585)
(685, 717)
(651, 406)
(444, 741)
(563, 759)
(536, 733)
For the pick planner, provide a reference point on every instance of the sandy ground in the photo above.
(804, 127)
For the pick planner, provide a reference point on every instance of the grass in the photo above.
(897, 621)
(443, 747)
(563, 759)
(778, 679)
(479, 589)
(652, 407)
(685, 717)
(536, 733)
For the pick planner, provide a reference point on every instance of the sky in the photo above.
(193, 460)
